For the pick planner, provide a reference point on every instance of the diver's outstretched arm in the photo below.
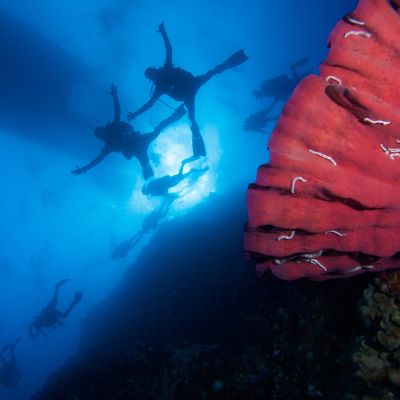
(167, 44)
(175, 116)
(117, 108)
(93, 163)
(146, 106)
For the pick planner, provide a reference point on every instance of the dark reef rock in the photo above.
(192, 321)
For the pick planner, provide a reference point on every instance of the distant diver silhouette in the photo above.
(161, 186)
(157, 187)
(279, 88)
(150, 223)
(182, 85)
(50, 317)
(258, 121)
(9, 373)
(120, 137)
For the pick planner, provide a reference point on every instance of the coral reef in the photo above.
(273, 355)
(327, 204)
(378, 359)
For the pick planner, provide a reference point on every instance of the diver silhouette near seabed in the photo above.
(182, 85)
(50, 317)
(9, 373)
(279, 88)
(158, 187)
(120, 137)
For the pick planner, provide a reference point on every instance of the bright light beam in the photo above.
(167, 153)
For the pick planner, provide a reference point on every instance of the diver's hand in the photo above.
(131, 116)
(113, 90)
(161, 28)
(78, 171)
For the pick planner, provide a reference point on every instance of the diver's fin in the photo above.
(78, 297)
(62, 282)
(234, 60)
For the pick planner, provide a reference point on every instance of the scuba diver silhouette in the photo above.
(182, 85)
(120, 137)
(258, 121)
(150, 223)
(161, 186)
(9, 373)
(157, 187)
(282, 86)
(279, 88)
(50, 317)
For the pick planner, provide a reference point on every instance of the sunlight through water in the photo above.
(173, 146)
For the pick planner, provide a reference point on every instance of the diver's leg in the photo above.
(200, 80)
(74, 302)
(186, 161)
(198, 146)
(54, 301)
(147, 138)
(145, 164)
(135, 239)
(234, 60)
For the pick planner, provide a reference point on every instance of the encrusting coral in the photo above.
(378, 359)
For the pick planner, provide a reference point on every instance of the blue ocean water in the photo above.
(57, 62)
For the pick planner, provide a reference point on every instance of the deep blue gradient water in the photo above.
(57, 61)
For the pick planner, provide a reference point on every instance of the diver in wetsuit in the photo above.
(120, 137)
(9, 373)
(182, 85)
(50, 317)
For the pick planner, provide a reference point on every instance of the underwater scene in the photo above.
(200, 200)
